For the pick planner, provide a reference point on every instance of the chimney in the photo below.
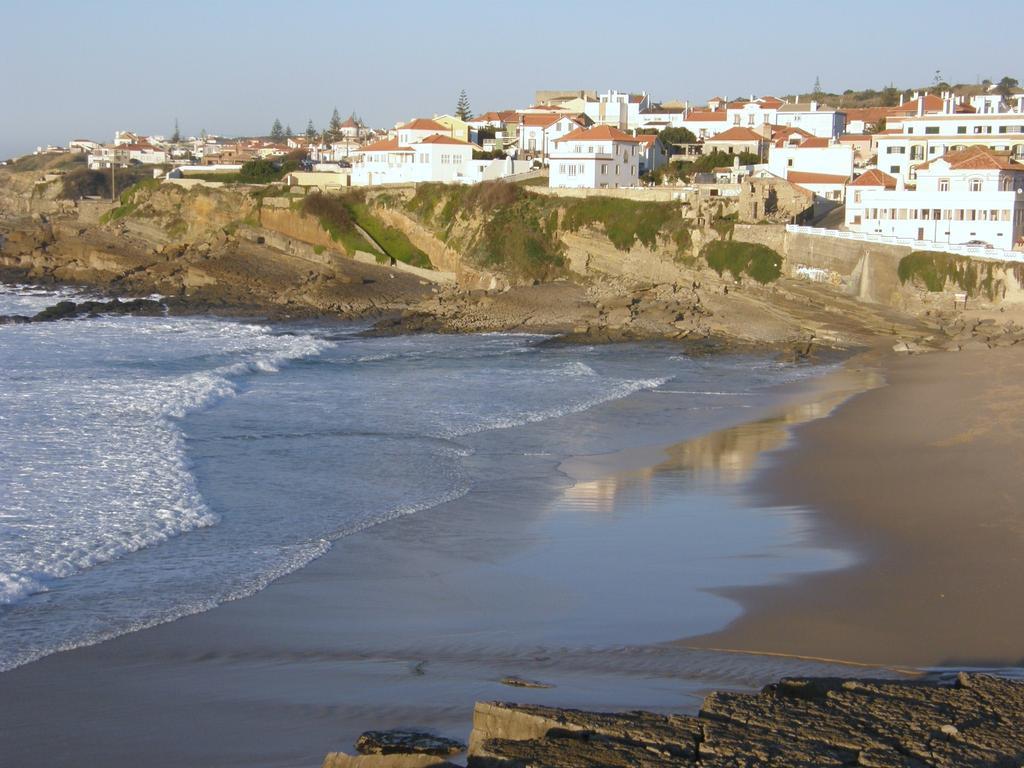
(900, 186)
(901, 98)
(814, 106)
(797, 99)
(920, 106)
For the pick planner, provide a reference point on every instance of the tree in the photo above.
(258, 172)
(938, 79)
(288, 132)
(310, 130)
(462, 110)
(890, 96)
(276, 130)
(334, 126)
(176, 136)
(671, 136)
(1006, 86)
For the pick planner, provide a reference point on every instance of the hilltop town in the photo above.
(653, 212)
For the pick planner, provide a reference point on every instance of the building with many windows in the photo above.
(601, 157)
(910, 142)
(973, 196)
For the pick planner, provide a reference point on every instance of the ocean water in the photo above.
(152, 468)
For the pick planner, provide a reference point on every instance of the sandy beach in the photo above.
(923, 478)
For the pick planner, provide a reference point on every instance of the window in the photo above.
(943, 185)
(961, 129)
(789, 163)
(932, 129)
(856, 196)
(736, 119)
(975, 185)
(894, 169)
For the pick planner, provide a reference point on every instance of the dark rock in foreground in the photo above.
(975, 721)
(406, 742)
(67, 310)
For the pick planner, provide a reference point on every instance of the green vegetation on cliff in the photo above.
(758, 262)
(517, 230)
(503, 225)
(342, 216)
(130, 200)
(937, 270)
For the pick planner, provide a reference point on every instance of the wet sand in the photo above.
(580, 578)
(925, 479)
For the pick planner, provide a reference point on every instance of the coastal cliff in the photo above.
(484, 258)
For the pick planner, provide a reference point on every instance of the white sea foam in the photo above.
(93, 465)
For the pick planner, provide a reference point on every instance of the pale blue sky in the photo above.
(79, 69)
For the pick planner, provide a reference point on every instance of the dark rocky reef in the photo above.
(66, 310)
(967, 722)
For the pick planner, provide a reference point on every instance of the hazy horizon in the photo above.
(232, 69)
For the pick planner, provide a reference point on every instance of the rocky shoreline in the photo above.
(970, 720)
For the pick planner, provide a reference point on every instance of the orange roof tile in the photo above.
(737, 133)
(422, 124)
(597, 133)
(437, 138)
(874, 178)
(707, 116)
(805, 177)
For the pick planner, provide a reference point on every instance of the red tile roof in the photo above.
(422, 124)
(805, 177)
(598, 133)
(707, 116)
(814, 142)
(874, 178)
(981, 159)
(737, 133)
(439, 139)
(385, 145)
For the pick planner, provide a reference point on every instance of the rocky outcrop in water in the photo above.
(67, 310)
(969, 722)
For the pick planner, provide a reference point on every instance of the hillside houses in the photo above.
(968, 196)
(601, 157)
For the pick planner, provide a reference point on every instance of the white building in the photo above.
(432, 158)
(967, 197)
(617, 109)
(653, 154)
(601, 157)
(812, 117)
(83, 146)
(753, 113)
(419, 129)
(811, 155)
(910, 142)
(705, 123)
(538, 132)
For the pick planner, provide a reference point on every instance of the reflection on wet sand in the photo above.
(728, 457)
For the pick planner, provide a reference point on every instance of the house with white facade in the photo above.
(601, 157)
(617, 109)
(815, 118)
(419, 129)
(819, 165)
(705, 123)
(433, 157)
(736, 141)
(972, 196)
(811, 155)
(910, 142)
(83, 146)
(753, 113)
(538, 132)
(653, 153)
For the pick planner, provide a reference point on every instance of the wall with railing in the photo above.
(974, 251)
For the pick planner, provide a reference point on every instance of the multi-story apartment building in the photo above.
(910, 142)
(973, 196)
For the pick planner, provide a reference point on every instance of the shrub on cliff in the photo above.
(936, 270)
(752, 259)
(258, 172)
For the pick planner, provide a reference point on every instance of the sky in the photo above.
(84, 70)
